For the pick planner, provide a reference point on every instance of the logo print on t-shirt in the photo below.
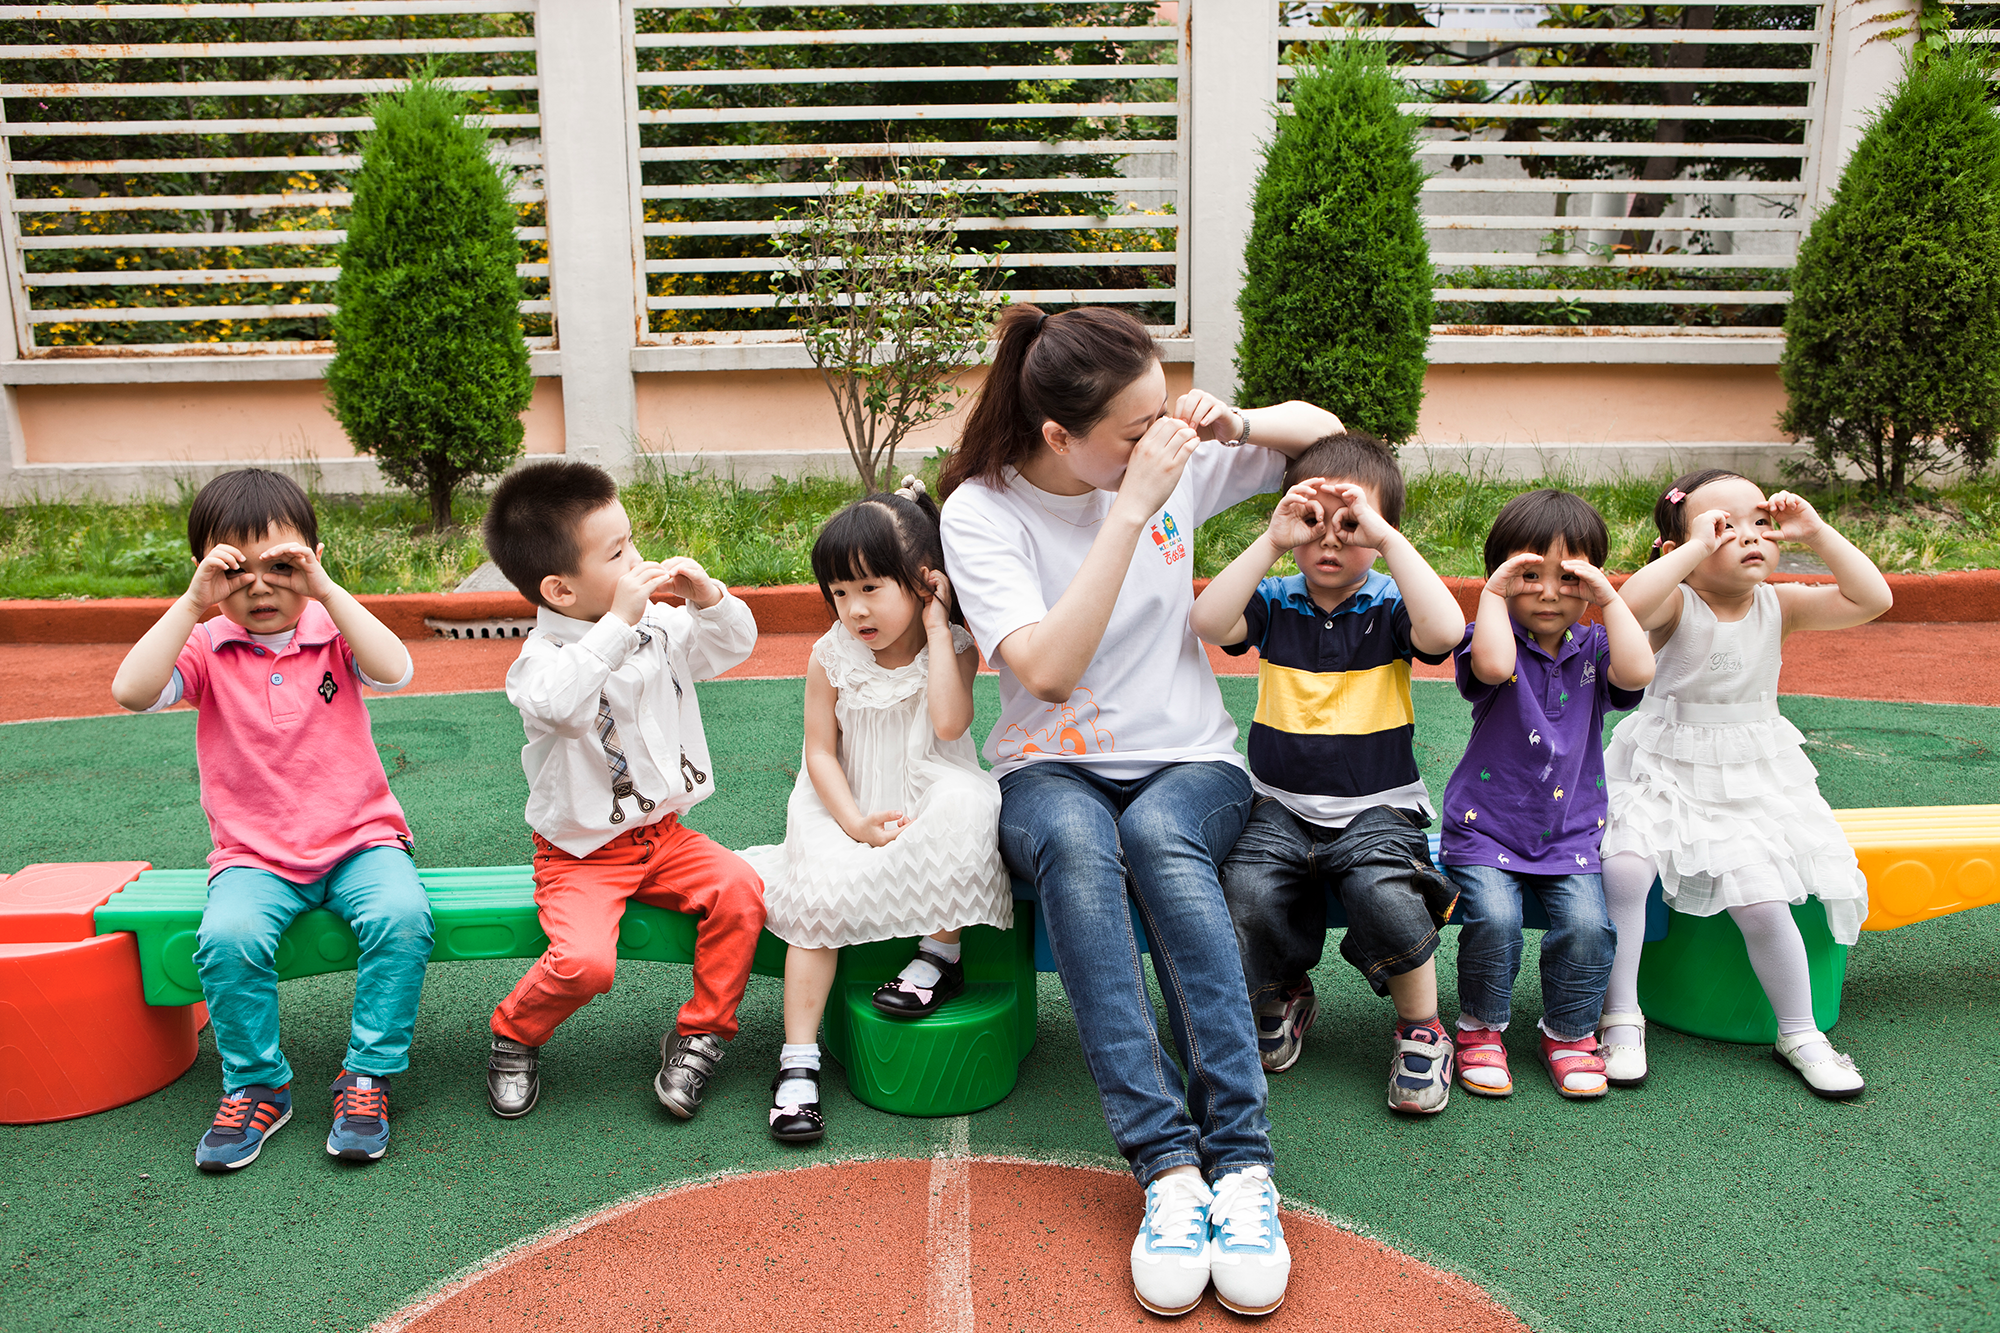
(327, 689)
(1072, 729)
(1166, 535)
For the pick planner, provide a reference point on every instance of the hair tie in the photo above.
(913, 486)
(1676, 495)
(1038, 323)
(1656, 543)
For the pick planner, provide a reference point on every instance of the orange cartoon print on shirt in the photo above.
(1070, 727)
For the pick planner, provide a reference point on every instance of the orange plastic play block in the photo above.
(76, 1034)
(43, 904)
(1925, 861)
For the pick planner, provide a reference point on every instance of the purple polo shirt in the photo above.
(1529, 794)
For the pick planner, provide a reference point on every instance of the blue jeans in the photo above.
(1379, 869)
(1086, 841)
(376, 891)
(1576, 948)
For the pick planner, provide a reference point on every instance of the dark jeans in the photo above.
(1087, 842)
(1576, 948)
(1378, 868)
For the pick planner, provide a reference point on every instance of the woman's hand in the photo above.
(1211, 419)
(937, 606)
(1156, 465)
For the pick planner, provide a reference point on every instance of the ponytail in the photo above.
(1064, 368)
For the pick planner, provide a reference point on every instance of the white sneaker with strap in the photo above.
(1251, 1264)
(1624, 1063)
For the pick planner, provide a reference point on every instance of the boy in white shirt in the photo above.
(615, 756)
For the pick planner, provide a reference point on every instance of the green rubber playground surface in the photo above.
(1719, 1197)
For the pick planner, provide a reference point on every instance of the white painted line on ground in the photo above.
(948, 1275)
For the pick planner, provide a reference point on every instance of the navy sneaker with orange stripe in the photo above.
(245, 1119)
(360, 1117)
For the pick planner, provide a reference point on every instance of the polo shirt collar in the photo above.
(315, 627)
(1373, 589)
(1572, 641)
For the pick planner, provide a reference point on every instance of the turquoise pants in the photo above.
(377, 892)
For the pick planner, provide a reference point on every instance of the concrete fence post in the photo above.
(1862, 71)
(584, 65)
(1233, 63)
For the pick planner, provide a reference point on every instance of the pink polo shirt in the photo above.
(290, 779)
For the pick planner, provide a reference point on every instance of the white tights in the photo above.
(1777, 952)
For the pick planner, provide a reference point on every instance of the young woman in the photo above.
(1069, 521)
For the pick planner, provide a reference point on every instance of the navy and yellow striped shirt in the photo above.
(1335, 729)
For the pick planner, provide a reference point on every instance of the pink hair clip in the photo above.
(1676, 495)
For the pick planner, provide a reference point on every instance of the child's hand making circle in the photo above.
(634, 590)
(221, 572)
(1796, 520)
(1354, 520)
(691, 583)
(1592, 583)
(1512, 578)
(296, 566)
(937, 605)
(1299, 517)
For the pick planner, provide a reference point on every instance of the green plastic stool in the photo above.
(963, 1058)
(1698, 980)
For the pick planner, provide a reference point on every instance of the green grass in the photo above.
(751, 536)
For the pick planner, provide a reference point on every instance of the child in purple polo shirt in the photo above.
(1525, 808)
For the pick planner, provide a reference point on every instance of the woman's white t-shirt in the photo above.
(1148, 698)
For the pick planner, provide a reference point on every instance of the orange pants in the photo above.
(581, 900)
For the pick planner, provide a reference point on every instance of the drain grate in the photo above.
(480, 629)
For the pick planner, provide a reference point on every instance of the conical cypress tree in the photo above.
(430, 373)
(1337, 295)
(1892, 341)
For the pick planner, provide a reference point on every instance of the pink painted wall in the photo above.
(247, 420)
(1593, 404)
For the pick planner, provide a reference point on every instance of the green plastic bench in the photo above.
(963, 1058)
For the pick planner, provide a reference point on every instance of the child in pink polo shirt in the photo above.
(297, 802)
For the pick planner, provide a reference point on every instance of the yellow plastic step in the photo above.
(1925, 861)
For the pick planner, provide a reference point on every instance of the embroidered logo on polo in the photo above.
(1166, 535)
(327, 688)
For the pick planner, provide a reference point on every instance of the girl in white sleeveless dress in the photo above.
(893, 828)
(1708, 787)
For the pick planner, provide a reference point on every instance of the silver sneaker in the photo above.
(686, 1065)
(513, 1083)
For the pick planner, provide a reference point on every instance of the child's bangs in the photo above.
(861, 542)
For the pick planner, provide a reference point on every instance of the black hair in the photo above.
(1065, 368)
(1356, 456)
(1671, 516)
(888, 536)
(1532, 522)
(531, 524)
(242, 505)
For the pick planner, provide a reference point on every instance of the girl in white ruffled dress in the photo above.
(893, 828)
(1708, 786)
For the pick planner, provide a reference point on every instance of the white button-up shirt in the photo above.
(566, 665)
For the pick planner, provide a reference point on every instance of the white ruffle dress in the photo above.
(1708, 780)
(824, 890)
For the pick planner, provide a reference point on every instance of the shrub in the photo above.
(1337, 298)
(1892, 342)
(430, 373)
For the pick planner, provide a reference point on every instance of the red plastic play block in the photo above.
(44, 904)
(76, 1034)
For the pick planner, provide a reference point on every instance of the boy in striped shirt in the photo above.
(1341, 806)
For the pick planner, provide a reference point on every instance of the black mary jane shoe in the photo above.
(899, 999)
(798, 1124)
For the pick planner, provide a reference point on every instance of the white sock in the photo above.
(1482, 1075)
(1628, 879)
(949, 952)
(1778, 955)
(920, 971)
(797, 1091)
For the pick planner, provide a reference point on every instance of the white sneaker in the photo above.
(1832, 1077)
(1624, 1066)
(1170, 1253)
(1251, 1263)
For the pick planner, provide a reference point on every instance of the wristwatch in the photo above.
(1244, 438)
